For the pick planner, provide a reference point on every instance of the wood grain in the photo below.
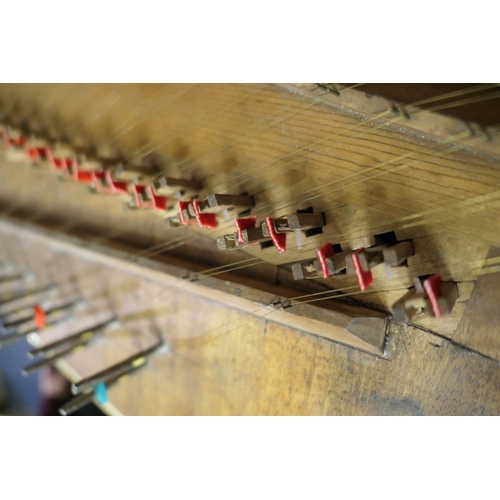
(291, 147)
(479, 327)
(247, 365)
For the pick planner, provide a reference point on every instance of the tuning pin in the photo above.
(21, 278)
(76, 342)
(122, 368)
(84, 335)
(39, 318)
(325, 265)
(21, 297)
(99, 392)
(362, 261)
(432, 294)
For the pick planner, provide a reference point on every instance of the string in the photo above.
(161, 245)
(145, 119)
(376, 167)
(446, 95)
(201, 123)
(431, 211)
(353, 127)
(266, 118)
(333, 296)
(421, 150)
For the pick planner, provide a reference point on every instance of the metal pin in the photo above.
(49, 360)
(82, 400)
(82, 336)
(51, 318)
(121, 368)
(28, 294)
(26, 276)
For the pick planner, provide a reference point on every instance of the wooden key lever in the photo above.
(431, 295)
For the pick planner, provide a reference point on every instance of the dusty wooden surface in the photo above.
(480, 325)
(224, 362)
(291, 148)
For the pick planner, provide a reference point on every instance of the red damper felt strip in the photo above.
(279, 239)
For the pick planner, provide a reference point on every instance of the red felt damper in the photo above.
(18, 142)
(432, 288)
(111, 186)
(35, 154)
(279, 239)
(365, 278)
(87, 177)
(184, 205)
(39, 316)
(57, 163)
(153, 201)
(204, 220)
(324, 253)
(241, 224)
